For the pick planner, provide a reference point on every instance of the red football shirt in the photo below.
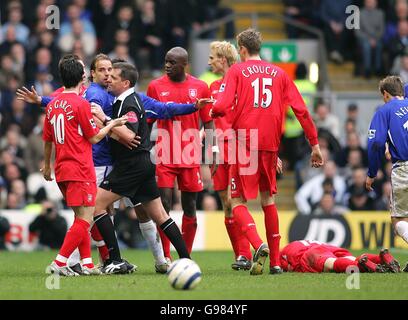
(290, 255)
(59, 90)
(261, 92)
(69, 124)
(178, 142)
(222, 123)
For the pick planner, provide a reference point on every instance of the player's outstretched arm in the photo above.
(160, 110)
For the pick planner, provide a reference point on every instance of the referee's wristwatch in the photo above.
(107, 119)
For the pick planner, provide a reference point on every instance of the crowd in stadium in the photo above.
(377, 47)
(142, 31)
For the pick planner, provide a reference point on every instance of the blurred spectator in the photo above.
(360, 201)
(20, 116)
(104, 14)
(304, 11)
(8, 40)
(15, 17)
(311, 192)
(125, 20)
(14, 202)
(398, 45)
(18, 56)
(369, 36)
(328, 207)
(353, 143)
(44, 82)
(304, 172)
(402, 68)
(47, 39)
(42, 60)
(383, 203)
(19, 189)
(294, 144)
(49, 226)
(79, 34)
(399, 12)
(209, 203)
(33, 152)
(150, 33)
(75, 12)
(3, 193)
(121, 51)
(214, 11)
(333, 14)
(4, 228)
(326, 120)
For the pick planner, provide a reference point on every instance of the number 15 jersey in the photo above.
(69, 124)
(261, 92)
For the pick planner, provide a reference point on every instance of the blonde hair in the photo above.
(225, 49)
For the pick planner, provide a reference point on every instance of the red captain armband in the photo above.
(132, 117)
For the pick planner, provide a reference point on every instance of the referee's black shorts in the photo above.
(134, 178)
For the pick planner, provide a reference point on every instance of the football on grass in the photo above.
(184, 274)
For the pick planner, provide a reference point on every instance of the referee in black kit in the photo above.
(133, 173)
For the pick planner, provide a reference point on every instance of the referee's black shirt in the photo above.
(129, 103)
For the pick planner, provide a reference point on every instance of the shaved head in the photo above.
(175, 63)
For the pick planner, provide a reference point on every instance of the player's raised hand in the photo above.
(316, 159)
(120, 121)
(46, 171)
(97, 111)
(201, 103)
(28, 96)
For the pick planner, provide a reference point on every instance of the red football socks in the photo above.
(233, 234)
(100, 244)
(165, 243)
(272, 233)
(239, 242)
(188, 229)
(85, 251)
(247, 225)
(75, 235)
(374, 258)
(341, 264)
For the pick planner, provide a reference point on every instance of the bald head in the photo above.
(179, 53)
(175, 63)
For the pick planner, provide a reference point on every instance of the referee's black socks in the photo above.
(173, 233)
(107, 231)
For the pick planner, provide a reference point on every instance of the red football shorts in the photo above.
(221, 177)
(257, 174)
(188, 179)
(313, 259)
(78, 193)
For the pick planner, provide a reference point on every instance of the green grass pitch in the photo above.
(22, 276)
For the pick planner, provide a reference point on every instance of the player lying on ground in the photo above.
(317, 257)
